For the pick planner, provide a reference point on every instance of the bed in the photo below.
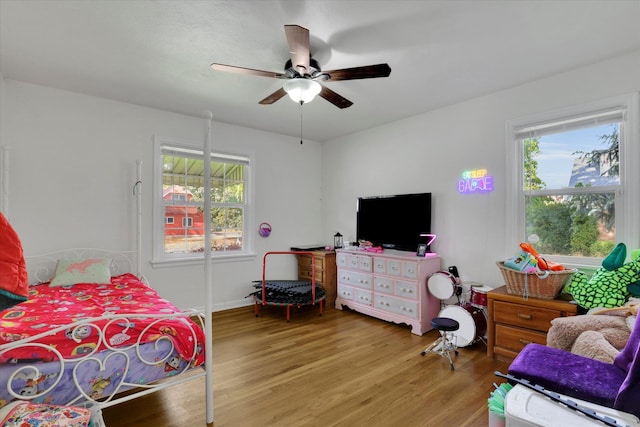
(70, 344)
(101, 339)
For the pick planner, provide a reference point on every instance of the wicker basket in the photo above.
(529, 284)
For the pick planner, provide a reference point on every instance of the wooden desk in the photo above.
(514, 322)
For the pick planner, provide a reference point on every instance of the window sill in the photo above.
(181, 262)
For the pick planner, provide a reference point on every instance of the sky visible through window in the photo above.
(556, 157)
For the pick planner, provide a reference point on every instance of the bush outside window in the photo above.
(571, 180)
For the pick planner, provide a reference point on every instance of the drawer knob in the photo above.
(525, 342)
(525, 316)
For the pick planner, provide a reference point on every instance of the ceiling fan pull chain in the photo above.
(301, 103)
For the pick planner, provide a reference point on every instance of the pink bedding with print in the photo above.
(51, 307)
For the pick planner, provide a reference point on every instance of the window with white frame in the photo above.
(179, 216)
(574, 181)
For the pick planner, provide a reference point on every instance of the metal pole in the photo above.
(208, 283)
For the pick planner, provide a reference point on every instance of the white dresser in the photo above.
(391, 286)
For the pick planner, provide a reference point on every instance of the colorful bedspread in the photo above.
(51, 307)
(117, 343)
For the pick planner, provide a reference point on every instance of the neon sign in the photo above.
(475, 181)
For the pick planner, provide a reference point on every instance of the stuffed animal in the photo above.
(599, 335)
(609, 286)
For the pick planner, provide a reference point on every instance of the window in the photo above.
(574, 181)
(179, 217)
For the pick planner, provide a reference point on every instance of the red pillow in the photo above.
(14, 283)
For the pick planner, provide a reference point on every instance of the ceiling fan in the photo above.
(303, 73)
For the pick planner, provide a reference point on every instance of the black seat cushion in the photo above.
(444, 324)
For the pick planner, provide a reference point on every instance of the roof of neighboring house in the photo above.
(175, 189)
(192, 211)
(591, 173)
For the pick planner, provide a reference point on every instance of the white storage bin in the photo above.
(524, 407)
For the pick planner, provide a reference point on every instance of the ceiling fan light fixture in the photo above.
(301, 90)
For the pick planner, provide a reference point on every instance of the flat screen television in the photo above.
(394, 222)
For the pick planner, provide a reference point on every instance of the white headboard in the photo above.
(41, 268)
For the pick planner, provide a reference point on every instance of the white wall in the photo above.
(428, 153)
(72, 170)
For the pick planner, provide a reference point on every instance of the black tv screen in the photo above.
(394, 222)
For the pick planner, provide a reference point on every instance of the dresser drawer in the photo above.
(397, 306)
(356, 279)
(342, 260)
(515, 339)
(410, 270)
(394, 267)
(362, 296)
(407, 290)
(383, 285)
(379, 265)
(307, 274)
(345, 292)
(359, 262)
(526, 316)
(325, 271)
(514, 322)
(304, 262)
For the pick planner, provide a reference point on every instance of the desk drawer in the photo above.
(516, 338)
(523, 315)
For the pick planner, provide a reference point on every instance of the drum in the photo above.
(479, 296)
(442, 285)
(472, 320)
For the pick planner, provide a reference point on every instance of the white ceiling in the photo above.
(158, 53)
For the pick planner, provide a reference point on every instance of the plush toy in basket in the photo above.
(530, 275)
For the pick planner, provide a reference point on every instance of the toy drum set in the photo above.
(470, 312)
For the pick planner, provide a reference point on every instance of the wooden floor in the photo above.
(338, 369)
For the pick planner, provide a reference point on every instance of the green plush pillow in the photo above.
(72, 271)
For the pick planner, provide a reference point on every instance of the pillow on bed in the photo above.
(72, 271)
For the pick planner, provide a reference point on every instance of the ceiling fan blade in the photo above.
(365, 72)
(270, 99)
(337, 100)
(246, 71)
(298, 40)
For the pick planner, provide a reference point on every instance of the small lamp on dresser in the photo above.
(337, 241)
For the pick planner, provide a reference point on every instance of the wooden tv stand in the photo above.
(391, 286)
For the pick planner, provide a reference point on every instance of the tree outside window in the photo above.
(570, 183)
